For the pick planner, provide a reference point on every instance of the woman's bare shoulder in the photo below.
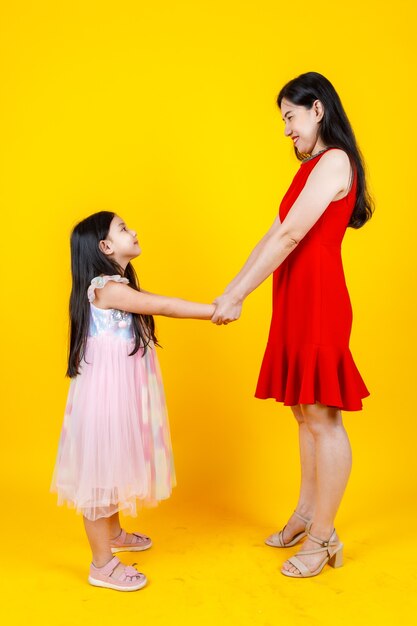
(336, 156)
(334, 162)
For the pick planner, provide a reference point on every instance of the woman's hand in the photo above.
(228, 309)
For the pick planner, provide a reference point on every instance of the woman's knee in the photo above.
(297, 413)
(321, 419)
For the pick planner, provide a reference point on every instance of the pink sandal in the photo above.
(129, 580)
(121, 545)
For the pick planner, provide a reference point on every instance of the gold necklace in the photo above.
(311, 156)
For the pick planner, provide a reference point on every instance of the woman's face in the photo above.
(302, 125)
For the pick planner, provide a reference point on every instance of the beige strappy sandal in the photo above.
(276, 540)
(334, 557)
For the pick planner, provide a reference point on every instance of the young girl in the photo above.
(115, 445)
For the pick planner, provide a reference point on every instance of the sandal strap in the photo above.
(141, 537)
(301, 517)
(324, 543)
(302, 567)
(328, 549)
(108, 569)
(279, 535)
(121, 539)
(277, 538)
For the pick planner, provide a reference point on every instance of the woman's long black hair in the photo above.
(87, 262)
(335, 132)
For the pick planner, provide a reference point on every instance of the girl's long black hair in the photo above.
(335, 132)
(87, 262)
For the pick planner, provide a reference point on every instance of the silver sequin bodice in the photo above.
(110, 321)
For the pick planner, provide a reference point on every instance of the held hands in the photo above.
(228, 309)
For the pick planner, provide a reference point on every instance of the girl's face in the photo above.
(121, 243)
(302, 125)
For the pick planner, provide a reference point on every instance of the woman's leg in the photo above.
(308, 488)
(333, 466)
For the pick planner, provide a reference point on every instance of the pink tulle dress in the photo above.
(115, 448)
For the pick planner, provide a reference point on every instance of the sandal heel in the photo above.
(337, 559)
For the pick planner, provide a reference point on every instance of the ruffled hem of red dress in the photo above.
(311, 373)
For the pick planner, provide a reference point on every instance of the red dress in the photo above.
(307, 357)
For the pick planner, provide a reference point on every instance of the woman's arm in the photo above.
(121, 296)
(253, 256)
(326, 180)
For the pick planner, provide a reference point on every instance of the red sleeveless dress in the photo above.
(307, 357)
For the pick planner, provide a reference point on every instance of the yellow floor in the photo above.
(207, 568)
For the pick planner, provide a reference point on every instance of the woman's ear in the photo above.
(319, 110)
(105, 246)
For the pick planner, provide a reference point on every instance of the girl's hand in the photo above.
(228, 309)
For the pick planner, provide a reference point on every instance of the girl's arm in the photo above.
(325, 181)
(120, 296)
(149, 293)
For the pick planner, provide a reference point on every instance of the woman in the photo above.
(307, 363)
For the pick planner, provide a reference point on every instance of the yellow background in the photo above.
(165, 113)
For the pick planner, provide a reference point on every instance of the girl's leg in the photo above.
(333, 463)
(308, 487)
(132, 539)
(98, 533)
(114, 524)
